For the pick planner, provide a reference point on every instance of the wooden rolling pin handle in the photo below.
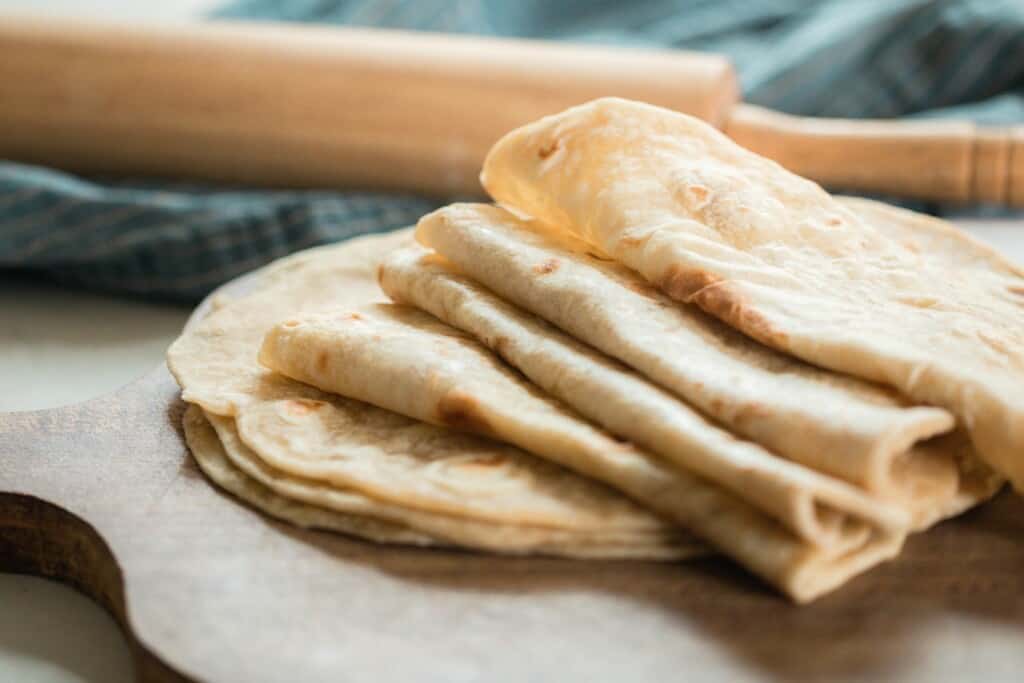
(309, 106)
(998, 166)
(934, 160)
(333, 107)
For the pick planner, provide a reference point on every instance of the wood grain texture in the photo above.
(288, 105)
(307, 105)
(104, 495)
(955, 161)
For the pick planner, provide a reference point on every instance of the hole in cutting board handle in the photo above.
(42, 539)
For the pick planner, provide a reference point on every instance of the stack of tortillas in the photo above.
(662, 344)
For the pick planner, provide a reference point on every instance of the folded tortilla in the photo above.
(837, 425)
(408, 475)
(812, 505)
(410, 363)
(776, 257)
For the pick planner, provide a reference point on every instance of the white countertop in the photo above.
(58, 347)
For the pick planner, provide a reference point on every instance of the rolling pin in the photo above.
(313, 106)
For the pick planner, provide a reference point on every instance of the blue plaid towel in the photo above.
(850, 58)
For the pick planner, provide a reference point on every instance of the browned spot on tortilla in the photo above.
(698, 192)
(291, 323)
(751, 411)
(350, 316)
(834, 222)
(1016, 289)
(322, 361)
(716, 405)
(548, 149)
(487, 462)
(722, 302)
(640, 287)
(500, 345)
(683, 285)
(717, 297)
(461, 411)
(547, 267)
(302, 406)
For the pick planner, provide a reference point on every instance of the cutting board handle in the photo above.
(78, 484)
(939, 160)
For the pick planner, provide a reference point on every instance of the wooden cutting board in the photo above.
(104, 495)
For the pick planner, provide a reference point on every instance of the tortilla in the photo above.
(408, 362)
(310, 504)
(810, 504)
(405, 462)
(834, 424)
(212, 460)
(662, 543)
(215, 363)
(776, 257)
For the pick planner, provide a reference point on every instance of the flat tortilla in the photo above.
(213, 461)
(408, 362)
(774, 256)
(660, 544)
(405, 462)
